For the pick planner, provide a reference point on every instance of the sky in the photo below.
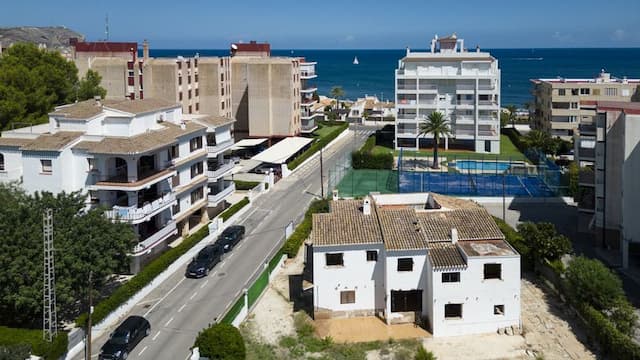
(340, 24)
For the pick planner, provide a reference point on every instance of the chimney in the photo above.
(454, 235)
(145, 50)
(335, 195)
(366, 206)
(183, 125)
(98, 99)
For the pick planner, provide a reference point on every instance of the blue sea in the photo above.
(375, 73)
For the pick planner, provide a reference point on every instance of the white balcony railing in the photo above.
(134, 213)
(226, 167)
(160, 235)
(221, 146)
(214, 199)
(465, 87)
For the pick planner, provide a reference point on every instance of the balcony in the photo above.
(464, 103)
(486, 119)
(586, 153)
(214, 150)
(119, 179)
(406, 87)
(220, 171)
(406, 101)
(587, 128)
(487, 103)
(309, 88)
(307, 102)
(155, 238)
(308, 74)
(484, 87)
(216, 197)
(428, 88)
(308, 124)
(586, 177)
(465, 88)
(134, 214)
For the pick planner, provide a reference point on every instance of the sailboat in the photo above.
(355, 61)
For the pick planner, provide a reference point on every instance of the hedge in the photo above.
(614, 343)
(234, 209)
(10, 337)
(515, 239)
(142, 279)
(293, 243)
(245, 185)
(515, 137)
(366, 159)
(318, 144)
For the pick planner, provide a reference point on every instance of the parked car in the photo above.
(124, 338)
(230, 237)
(206, 259)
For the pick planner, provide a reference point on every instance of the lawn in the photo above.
(324, 130)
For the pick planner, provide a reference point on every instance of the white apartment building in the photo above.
(423, 258)
(139, 158)
(463, 85)
(308, 88)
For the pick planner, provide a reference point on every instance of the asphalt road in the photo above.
(180, 307)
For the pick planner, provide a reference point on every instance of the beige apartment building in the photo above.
(556, 107)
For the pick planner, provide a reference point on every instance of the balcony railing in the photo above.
(135, 213)
(221, 146)
(464, 118)
(487, 103)
(486, 87)
(120, 175)
(465, 87)
(308, 124)
(586, 177)
(152, 240)
(216, 173)
(428, 87)
(307, 73)
(407, 101)
(587, 128)
(215, 198)
(407, 87)
(464, 102)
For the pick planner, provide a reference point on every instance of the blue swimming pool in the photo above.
(482, 165)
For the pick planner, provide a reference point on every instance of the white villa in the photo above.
(463, 85)
(424, 258)
(140, 158)
(371, 108)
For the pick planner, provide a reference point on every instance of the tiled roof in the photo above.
(472, 224)
(486, 248)
(52, 142)
(78, 111)
(14, 142)
(346, 225)
(140, 106)
(400, 229)
(445, 255)
(214, 121)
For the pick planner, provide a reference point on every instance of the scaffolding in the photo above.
(50, 318)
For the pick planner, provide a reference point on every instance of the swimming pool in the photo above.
(482, 165)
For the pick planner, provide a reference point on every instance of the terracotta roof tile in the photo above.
(472, 224)
(14, 142)
(446, 255)
(140, 106)
(213, 121)
(82, 110)
(400, 229)
(346, 225)
(52, 142)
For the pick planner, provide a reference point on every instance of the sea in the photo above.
(374, 75)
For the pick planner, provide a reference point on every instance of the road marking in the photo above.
(164, 297)
(155, 336)
(141, 351)
(230, 256)
(182, 307)
(168, 322)
(222, 263)
(194, 295)
(205, 283)
(188, 357)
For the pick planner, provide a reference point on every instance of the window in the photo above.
(574, 105)
(91, 164)
(348, 297)
(175, 181)
(2, 162)
(190, 109)
(585, 91)
(372, 255)
(195, 63)
(197, 92)
(492, 271)
(596, 92)
(450, 277)
(46, 167)
(179, 65)
(487, 145)
(93, 197)
(196, 195)
(180, 96)
(195, 143)
(405, 264)
(453, 311)
(574, 92)
(174, 152)
(197, 106)
(179, 80)
(222, 105)
(189, 94)
(221, 77)
(196, 169)
(611, 92)
(334, 259)
(189, 79)
(195, 77)
(562, 92)
(498, 309)
(402, 301)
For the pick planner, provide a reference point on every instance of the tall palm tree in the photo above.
(337, 92)
(512, 114)
(437, 125)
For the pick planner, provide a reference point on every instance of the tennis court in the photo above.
(362, 181)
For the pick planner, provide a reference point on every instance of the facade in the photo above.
(308, 93)
(608, 152)
(557, 102)
(422, 258)
(139, 158)
(463, 85)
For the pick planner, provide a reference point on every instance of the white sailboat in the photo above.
(355, 61)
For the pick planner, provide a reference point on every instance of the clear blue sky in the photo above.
(333, 24)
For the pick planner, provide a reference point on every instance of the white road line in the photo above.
(155, 336)
(194, 295)
(164, 297)
(141, 351)
(188, 357)
(230, 256)
(204, 284)
(222, 264)
(168, 322)
(182, 307)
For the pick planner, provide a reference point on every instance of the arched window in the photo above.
(1, 162)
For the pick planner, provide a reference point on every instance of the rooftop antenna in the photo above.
(50, 318)
(106, 27)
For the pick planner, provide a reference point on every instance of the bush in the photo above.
(516, 138)
(543, 240)
(14, 341)
(221, 341)
(245, 185)
(623, 316)
(293, 243)
(423, 354)
(318, 144)
(517, 242)
(144, 277)
(234, 209)
(614, 343)
(591, 282)
(366, 159)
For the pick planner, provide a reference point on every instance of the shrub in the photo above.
(366, 159)
(221, 341)
(302, 231)
(517, 242)
(234, 209)
(144, 277)
(516, 138)
(544, 241)
(614, 343)
(623, 316)
(423, 354)
(591, 282)
(16, 340)
(319, 143)
(245, 185)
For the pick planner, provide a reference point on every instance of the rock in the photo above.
(501, 331)
(509, 331)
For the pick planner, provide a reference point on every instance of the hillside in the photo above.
(53, 37)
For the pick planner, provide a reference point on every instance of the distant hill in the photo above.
(51, 37)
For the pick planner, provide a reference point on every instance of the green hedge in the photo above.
(234, 311)
(144, 277)
(515, 137)
(366, 159)
(254, 291)
(293, 243)
(10, 337)
(614, 343)
(245, 185)
(234, 209)
(515, 239)
(318, 144)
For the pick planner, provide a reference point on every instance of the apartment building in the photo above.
(608, 151)
(556, 107)
(425, 258)
(463, 85)
(139, 158)
(266, 92)
(308, 96)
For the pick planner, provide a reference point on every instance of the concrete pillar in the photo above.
(132, 169)
(446, 143)
(625, 253)
(184, 227)
(205, 215)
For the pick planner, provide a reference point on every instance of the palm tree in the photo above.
(337, 92)
(512, 114)
(437, 125)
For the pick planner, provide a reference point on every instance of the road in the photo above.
(180, 307)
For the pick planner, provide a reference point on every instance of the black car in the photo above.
(125, 338)
(206, 259)
(230, 237)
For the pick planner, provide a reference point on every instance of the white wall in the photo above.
(223, 133)
(406, 280)
(12, 164)
(34, 180)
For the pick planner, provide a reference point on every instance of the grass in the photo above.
(324, 130)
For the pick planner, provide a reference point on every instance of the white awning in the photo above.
(244, 143)
(280, 152)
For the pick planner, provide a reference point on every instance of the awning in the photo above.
(282, 151)
(245, 143)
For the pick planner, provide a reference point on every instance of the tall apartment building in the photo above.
(266, 92)
(308, 89)
(139, 158)
(463, 85)
(608, 149)
(417, 258)
(556, 107)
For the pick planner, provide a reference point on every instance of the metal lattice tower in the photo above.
(50, 318)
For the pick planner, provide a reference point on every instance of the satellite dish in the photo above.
(234, 46)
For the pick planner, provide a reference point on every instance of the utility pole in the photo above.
(88, 352)
(321, 176)
(504, 201)
(49, 314)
